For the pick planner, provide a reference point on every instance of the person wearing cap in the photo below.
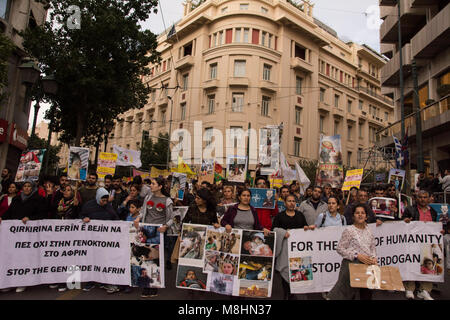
(28, 205)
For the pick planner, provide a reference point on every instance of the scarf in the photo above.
(33, 191)
(64, 205)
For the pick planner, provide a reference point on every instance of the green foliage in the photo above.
(155, 153)
(310, 169)
(34, 142)
(98, 67)
(6, 48)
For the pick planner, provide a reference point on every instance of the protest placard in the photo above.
(263, 198)
(30, 165)
(384, 207)
(106, 164)
(315, 264)
(64, 251)
(78, 163)
(353, 179)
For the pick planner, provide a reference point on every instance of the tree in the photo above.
(6, 48)
(310, 169)
(99, 66)
(34, 142)
(155, 154)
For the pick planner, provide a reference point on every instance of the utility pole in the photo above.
(420, 165)
(402, 97)
(170, 129)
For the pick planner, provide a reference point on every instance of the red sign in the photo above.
(18, 137)
(3, 130)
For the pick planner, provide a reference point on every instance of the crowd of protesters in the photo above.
(222, 204)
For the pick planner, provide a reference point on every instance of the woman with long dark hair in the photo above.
(157, 209)
(203, 210)
(69, 206)
(6, 199)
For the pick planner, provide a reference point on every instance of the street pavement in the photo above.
(43, 292)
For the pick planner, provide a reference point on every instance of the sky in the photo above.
(353, 20)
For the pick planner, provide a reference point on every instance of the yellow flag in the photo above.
(184, 168)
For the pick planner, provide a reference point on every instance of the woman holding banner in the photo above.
(157, 209)
(357, 245)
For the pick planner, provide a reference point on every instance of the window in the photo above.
(163, 117)
(361, 125)
(187, 50)
(246, 33)
(151, 122)
(349, 106)
(269, 44)
(297, 142)
(336, 101)
(266, 72)
(211, 103)
(298, 114)
(386, 116)
(360, 105)
(349, 159)
(234, 131)
(238, 102)
(214, 40)
(298, 85)
(185, 81)
(224, 9)
(213, 71)
(350, 133)
(237, 35)
(239, 68)
(208, 135)
(264, 10)
(153, 95)
(321, 123)
(265, 106)
(243, 6)
(300, 52)
(336, 128)
(4, 9)
(255, 36)
(322, 95)
(220, 38)
(183, 111)
(228, 36)
(263, 38)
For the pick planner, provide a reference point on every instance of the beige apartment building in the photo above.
(425, 33)
(252, 63)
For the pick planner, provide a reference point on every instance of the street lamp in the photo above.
(31, 76)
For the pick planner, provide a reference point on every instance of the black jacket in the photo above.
(35, 208)
(94, 211)
(194, 215)
(412, 212)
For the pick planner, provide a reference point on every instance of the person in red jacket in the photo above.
(265, 216)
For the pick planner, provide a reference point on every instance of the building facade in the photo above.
(425, 35)
(246, 64)
(15, 16)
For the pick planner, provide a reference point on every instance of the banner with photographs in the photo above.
(239, 263)
(314, 263)
(353, 178)
(64, 251)
(147, 256)
(263, 198)
(237, 169)
(206, 171)
(178, 215)
(106, 164)
(397, 177)
(441, 210)
(178, 185)
(384, 207)
(330, 170)
(269, 147)
(30, 165)
(222, 208)
(78, 163)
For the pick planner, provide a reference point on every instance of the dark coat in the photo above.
(231, 213)
(94, 211)
(35, 208)
(412, 212)
(194, 216)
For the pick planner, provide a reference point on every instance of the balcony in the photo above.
(301, 65)
(377, 96)
(390, 73)
(184, 63)
(211, 84)
(411, 19)
(162, 101)
(324, 107)
(238, 82)
(434, 37)
(435, 119)
(338, 113)
(388, 2)
(268, 86)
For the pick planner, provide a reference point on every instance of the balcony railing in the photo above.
(431, 111)
(376, 95)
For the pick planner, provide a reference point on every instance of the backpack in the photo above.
(325, 217)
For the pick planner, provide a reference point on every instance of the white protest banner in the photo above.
(64, 251)
(315, 264)
(239, 263)
(147, 256)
